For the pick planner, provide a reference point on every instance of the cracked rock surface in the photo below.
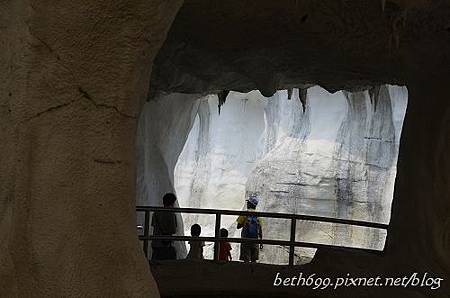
(68, 176)
(74, 76)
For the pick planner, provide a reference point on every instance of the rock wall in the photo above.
(422, 186)
(335, 158)
(163, 127)
(74, 76)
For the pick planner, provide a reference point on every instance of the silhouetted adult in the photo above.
(164, 223)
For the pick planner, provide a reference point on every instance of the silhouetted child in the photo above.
(225, 247)
(196, 250)
(164, 224)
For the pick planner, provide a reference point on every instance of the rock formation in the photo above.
(75, 75)
(338, 159)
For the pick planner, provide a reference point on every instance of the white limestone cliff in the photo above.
(337, 158)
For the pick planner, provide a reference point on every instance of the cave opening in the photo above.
(311, 131)
(302, 151)
(76, 76)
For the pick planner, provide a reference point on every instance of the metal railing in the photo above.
(292, 243)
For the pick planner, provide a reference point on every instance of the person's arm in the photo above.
(240, 222)
(229, 252)
(175, 223)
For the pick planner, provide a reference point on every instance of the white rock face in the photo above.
(163, 128)
(336, 159)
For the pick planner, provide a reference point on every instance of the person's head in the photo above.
(252, 202)
(169, 199)
(223, 233)
(250, 205)
(196, 230)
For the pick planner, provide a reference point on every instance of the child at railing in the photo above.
(225, 247)
(196, 250)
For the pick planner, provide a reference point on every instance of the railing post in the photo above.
(146, 231)
(216, 236)
(292, 241)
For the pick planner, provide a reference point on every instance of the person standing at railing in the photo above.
(196, 251)
(251, 228)
(164, 224)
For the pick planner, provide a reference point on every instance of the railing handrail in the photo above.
(266, 214)
(292, 243)
(260, 241)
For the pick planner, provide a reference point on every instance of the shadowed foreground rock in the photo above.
(74, 76)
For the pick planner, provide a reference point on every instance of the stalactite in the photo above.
(302, 94)
(374, 94)
(289, 91)
(222, 98)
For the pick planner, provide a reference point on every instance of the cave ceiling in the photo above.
(268, 45)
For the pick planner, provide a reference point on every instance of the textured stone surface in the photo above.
(336, 159)
(270, 45)
(421, 213)
(162, 131)
(74, 76)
